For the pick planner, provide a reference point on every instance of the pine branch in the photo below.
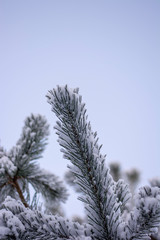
(122, 192)
(31, 144)
(8, 178)
(105, 199)
(29, 224)
(48, 185)
(18, 168)
(80, 147)
(145, 219)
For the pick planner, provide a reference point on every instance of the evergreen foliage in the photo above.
(18, 222)
(104, 202)
(132, 176)
(104, 198)
(19, 168)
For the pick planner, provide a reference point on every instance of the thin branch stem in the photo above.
(20, 193)
(14, 183)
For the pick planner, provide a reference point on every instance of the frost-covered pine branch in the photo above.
(19, 168)
(131, 176)
(81, 147)
(20, 223)
(104, 198)
(145, 218)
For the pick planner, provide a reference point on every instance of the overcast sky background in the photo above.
(110, 50)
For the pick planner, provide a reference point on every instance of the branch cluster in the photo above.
(19, 168)
(104, 198)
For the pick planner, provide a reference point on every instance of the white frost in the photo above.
(6, 165)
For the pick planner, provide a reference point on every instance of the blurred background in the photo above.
(110, 50)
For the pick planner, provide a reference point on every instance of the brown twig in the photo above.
(16, 185)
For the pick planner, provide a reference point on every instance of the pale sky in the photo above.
(110, 50)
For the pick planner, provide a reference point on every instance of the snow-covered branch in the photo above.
(19, 168)
(104, 198)
(31, 143)
(20, 223)
(80, 146)
(145, 218)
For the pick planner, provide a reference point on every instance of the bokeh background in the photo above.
(110, 50)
